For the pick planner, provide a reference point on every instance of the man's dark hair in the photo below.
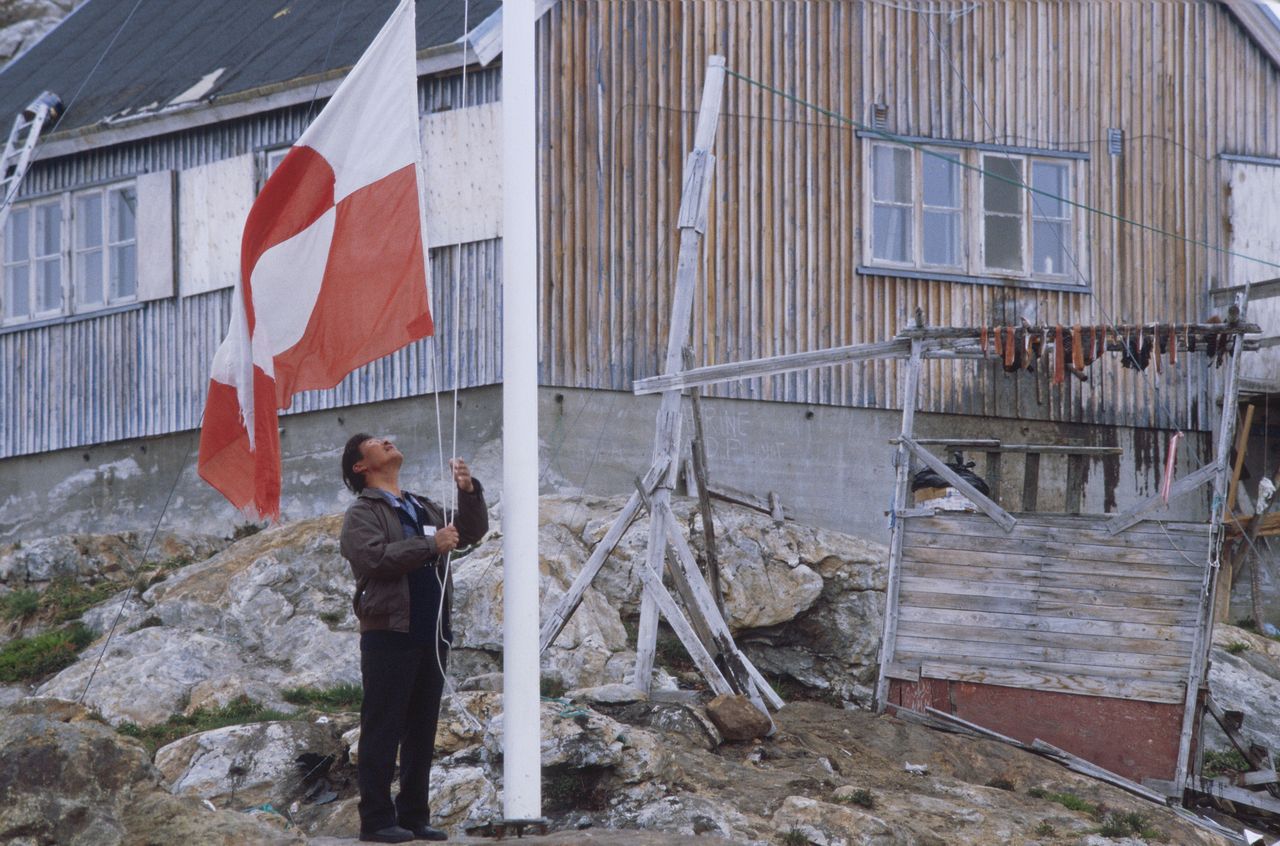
(350, 456)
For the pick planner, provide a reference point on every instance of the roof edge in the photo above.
(438, 59)
(1259, 23)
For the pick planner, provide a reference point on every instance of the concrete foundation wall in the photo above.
(831, 466)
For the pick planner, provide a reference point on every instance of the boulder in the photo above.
(737, 718)
(1245, 680)
(250, 621)
(78, 783)
(246, 765)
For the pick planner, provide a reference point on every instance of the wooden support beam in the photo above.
(569, 603)
(770, 366)
(993, 473)
(1182, 487)
(1031, 482)
(992, 445)
(1197, 672)
(701, 477)
(1075, 483)
(1080, 765)
(1002, 518)
(1242, 444)
(902, 465)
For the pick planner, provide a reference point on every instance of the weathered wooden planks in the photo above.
(1087, 684)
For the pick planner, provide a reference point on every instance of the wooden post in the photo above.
(1204, 624)
(1031, 482)
(902, 459)
(692, 223)
(993, 473)
(701, 476)
(1242, 443)
(1075, 483)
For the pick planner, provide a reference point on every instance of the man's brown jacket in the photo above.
(381, 557)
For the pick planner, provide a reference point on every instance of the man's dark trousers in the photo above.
(402, 688)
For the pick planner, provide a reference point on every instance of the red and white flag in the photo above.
(332, 267)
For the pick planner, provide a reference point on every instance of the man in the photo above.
(397, 544)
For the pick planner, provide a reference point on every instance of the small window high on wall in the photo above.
(106, 250)
(33, 272)
(968, 213)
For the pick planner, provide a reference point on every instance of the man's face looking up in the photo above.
(378, 454)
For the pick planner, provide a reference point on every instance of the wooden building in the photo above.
(871, 162)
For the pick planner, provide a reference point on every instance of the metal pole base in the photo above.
(501, 829)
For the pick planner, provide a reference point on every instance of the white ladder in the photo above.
(15, 161)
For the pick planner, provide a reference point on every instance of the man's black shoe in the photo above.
(390, 834)
(426, 832)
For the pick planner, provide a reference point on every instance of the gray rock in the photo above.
(75, 782)
(245, 765)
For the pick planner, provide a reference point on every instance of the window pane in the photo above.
(941, 180)
(891, 173)
(1049, 247)
(1003, 242)
(48, 229)
(123, 205)
(124, 271)
(89, 276)
(1051, 179)
(89, 221)
(941, 238)
(891, 233)
(49, 284)
(17, 236)
(17, 290)
(1002, 185)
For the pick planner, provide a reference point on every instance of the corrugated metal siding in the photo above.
(144, 371)
(620, 90)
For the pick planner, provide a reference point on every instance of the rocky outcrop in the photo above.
(1244, 675)
(71, 780)
(24, 22)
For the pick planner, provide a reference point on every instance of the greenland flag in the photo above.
(332, 268)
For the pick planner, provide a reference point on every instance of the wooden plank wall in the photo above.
(619, 87)
(1058, 604)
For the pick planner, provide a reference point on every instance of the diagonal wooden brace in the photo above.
(1003, 518)
(1180, 488)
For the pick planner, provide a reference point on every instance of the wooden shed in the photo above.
(1087, 632)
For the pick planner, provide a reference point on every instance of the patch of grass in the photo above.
(1236, 647)
(245, 530)
(860, 797)
(1248, 624)
(341, 697)
(794, 837)
(1224, 762)
(1125, 824)
(29, 658)
(1000, 783)
(332, 618)
(234, 713)
(1045, 829)
(66, 599)
(177, 562)
(19, 604)
(1070, 801)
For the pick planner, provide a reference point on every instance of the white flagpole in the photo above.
(521, 741)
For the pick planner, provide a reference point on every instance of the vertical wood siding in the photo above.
(619, 89)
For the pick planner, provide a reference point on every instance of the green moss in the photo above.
(860, 797)
(19, 604)
(234, 713)
(29, 658)
(1224, 762)
(1045, 829)
(332, 618)
(1126, 824)
(1070, 801)
(1236, 647)
(341, 697)
(66, 599)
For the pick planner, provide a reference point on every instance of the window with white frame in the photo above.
(74, 252)
(33, 271)
(106, 248)
(268, 162)
(973, 212)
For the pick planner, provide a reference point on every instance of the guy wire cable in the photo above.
(141, 561)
